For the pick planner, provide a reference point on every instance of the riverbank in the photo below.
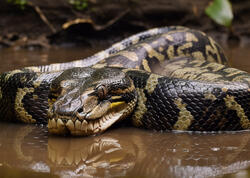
(44, 23)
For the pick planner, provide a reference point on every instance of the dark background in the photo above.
(46, 23)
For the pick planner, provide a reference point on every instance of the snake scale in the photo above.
(169, 78)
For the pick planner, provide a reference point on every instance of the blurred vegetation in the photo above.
(221, 12)
(79, 4)
(19, 3)
(218, 10)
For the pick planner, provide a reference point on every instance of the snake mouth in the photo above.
(75, 126)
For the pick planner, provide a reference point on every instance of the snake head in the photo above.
(87, 101)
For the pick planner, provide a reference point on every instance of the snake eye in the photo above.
(101, 91)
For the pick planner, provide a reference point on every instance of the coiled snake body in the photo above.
(170, 78)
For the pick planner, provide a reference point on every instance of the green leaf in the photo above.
(221, 12)
(79, 4)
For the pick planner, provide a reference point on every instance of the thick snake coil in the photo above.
(171, 78)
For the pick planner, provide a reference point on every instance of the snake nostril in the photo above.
(80, 110)
(80, 114)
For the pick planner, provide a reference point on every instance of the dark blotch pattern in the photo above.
(208, 114)
(162, 112)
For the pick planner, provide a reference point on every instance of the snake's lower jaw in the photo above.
(57, 126)
(83, 127)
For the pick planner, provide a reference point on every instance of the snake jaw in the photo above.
(98, 111)
(91, 122)
(57, 126)
(81, 116)
(84, 126)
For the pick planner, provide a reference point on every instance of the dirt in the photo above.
(44, 23)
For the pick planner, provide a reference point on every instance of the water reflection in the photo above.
(124, 152)
(14, 59)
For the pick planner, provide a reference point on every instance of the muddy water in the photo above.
(28, 150)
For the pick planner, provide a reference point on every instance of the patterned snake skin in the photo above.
(170, 78)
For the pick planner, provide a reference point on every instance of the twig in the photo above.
(90, 21)
(43, 17)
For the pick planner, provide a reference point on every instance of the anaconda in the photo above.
(170, 78)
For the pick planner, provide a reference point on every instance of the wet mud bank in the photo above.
(44, 23)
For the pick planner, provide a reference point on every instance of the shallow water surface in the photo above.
(13, 59)
(123, 152)
(28, 150)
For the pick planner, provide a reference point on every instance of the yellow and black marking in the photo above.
(185, 117)
(140, 109)
(21, 113)
(194, 69)
(235, 106)
(179, 105)
(24, 96)
(179, 81)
